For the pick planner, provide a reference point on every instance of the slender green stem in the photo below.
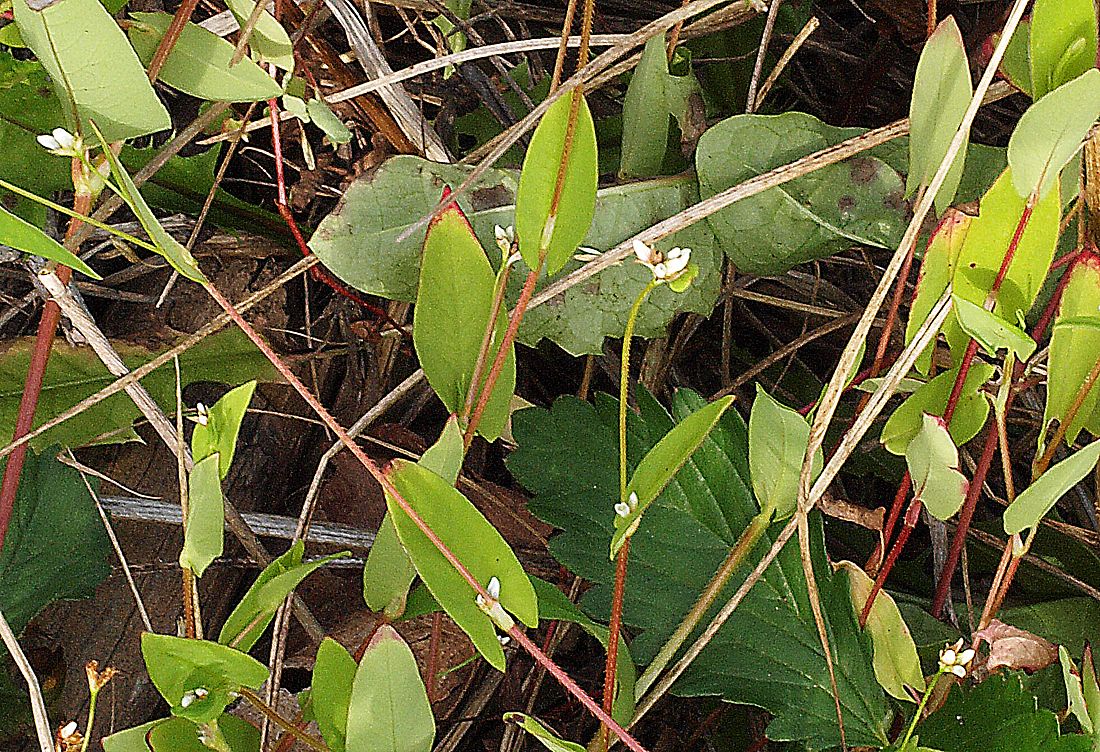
(76, 215)
(93, 695)
(750, 536)
(920, 709)
(624, 381)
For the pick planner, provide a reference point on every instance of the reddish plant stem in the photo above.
(433, 654)
(171, 36)
(613, 629)
(898, 504)
(913, 514)
(36, 374)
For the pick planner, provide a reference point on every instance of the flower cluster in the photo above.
(955, 660)
(666, 267)
(62, 143)
(198, 693)
(624, 508)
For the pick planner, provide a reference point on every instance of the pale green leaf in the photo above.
(970, 412)
(223, 423)
(543, 228)
(1074, 693)
(79, 42)
(1074, 346)
(269, 39)
(1051, 131)
(445, 456)
(662, 462)
(896, 663)
(545, 736)
(199, 63)
(23, 236)
(1041, 496)
(474, 541)
(1062, 43)
(1016, 63)
(178, 666)
(182, 735)
(453, 304)
(933, 461)
(174, 253)
(936, 270)
(330, 692)
(941, 94)
(203, 536)
(991, 331)
(778, 437)
(325, 119)
(248, 621)
(389, 709)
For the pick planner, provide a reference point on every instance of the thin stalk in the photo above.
(273, 715)
(927, 692)
(614, 626)
(487, 338)
(750, 536)
(93, 695)
(559, 61)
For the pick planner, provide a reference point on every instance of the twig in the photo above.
(785, 59)
(752, 102)
(38, 704)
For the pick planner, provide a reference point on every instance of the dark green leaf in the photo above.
(28, 108)
(181, 735)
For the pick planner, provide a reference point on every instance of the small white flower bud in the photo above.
(67, 730)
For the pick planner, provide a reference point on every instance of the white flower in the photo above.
(62, 143)
(201, 416)
(198, 693)
(506, 238)
(503, 640)
(201, 692)
(622, 509)
(955, 660)
(491, 606)
(67, 730)
(665, 266)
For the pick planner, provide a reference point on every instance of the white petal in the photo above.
(67, 730)
(493, 588)
(500, 233)
(48, 141)
(643, 252)
(959, 671)
(186, 700)
(660, 271)
(63, 137)
(633, 499)
(948, 657)
(200, 692)
(479, 599)
(676, 265)
(622, 509)
(966, 656)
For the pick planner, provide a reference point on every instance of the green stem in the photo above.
(91, 720)
(920, 709)
(750, 536)
(624, 381)
(76, 215)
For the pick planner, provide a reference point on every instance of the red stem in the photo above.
(613, 628)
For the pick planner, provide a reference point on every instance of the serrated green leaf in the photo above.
(269, 39)
(661, 463)
(55, 547)
(933, 461)
(250, 619)
(545, 736)
(223, 423)
(173, 252)
(333, 674)
(1038, 498)
(203, 530)
(476, 543)
(941, 94)
(23, 236)
(860, 200)
(768, 653)
(991, 331)
(1062, 43)
(1074, 345)
(453, 304)
(936, 271)
(897, 666)
(178, 666)
(1051, 132)
(970, 412)
(199, 62)
(389, 709)
(541, 227)
(77, 41)
(74, 373)
(778, 437)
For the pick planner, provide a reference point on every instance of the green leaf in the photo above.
(1016, 63)
(199, 63)
(662, 462)
(23, 236)
(1073, 348)
(175, 254)
(181, 735)
(545, 736)
(74, 373)
(653, 97)
(325, 119)
(941, 94)
(203, 536)
(55, 547)
(1038, 498)
(540, 229)
(333, 674)
(1051, 132)
(358, 243)
(78, 41)
(445, 456)
(778, 437)
(178, 666)
(933, 461)
(249, 620)
(476, 543)
(389, 709)
(998, 715)
(936, 270)
(1062, 43)
(896, 663)
(27, 109)
(223, 422)
(269, 39)
(768, 653)
(991, 331)
(453, 304)
(860, 200)
(970, 412)
(1074, 693)
(988, 239)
